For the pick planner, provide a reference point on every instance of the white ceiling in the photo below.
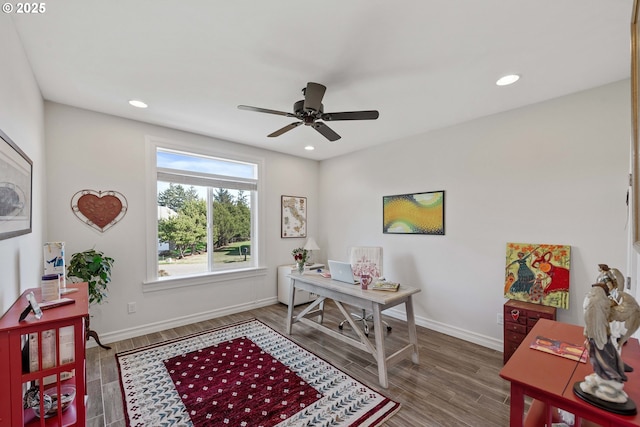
(424, 64)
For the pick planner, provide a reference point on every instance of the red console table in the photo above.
(60, 329)
(549, 379)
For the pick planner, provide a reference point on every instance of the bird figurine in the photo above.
(605, 303)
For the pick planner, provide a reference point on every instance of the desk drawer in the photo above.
(514, 327)
(510, 336)
(515, 315)
(540, 315)
(531, 322)
(510, 347)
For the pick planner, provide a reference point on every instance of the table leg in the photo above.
(411, 324)
(321, 313)
(90, 333)
(381, 357)
(548, 416)
(292, 297)
(516, 412)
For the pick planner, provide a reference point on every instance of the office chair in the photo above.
(363, 260)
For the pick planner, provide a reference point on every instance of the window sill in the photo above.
(202, 279)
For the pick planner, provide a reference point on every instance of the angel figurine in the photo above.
(625, 312)
(605, 303)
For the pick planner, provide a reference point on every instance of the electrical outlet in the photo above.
(131, 307)
(500, 319)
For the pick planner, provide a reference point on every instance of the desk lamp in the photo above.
(311, 246)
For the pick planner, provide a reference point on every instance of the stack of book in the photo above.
(385, 285)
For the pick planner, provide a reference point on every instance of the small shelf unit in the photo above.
(44, 354)
(519, 318)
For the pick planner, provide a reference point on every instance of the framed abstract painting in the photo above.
(415, 213)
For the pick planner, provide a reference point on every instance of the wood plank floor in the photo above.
(455, 384)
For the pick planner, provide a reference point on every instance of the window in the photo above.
(206, 213)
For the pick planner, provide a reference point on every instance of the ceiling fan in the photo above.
(309, 111)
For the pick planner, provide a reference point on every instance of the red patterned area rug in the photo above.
(245, 375)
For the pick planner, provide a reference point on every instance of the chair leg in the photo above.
(370, 319)
(364, 318)
(358, 318)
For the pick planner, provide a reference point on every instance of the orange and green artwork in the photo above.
(538, 273)
(417, 213)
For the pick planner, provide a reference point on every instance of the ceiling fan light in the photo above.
(137, 103)
(508, 80)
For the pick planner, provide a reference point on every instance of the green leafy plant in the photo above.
(93, 267)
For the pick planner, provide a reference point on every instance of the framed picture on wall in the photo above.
(294, 217)
(635, 124)
(415, 213)
(15, 189)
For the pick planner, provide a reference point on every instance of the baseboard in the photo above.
(150, 328)
(123, 334)
(463, 334)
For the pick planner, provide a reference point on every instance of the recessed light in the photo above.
(309, 148)
(508, 80)
(137, 103)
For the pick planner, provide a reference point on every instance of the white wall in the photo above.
(21, 118)
(555, 172)
(89, 150)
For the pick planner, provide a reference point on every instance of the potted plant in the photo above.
(93, 267)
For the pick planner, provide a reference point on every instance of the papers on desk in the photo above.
(560, 348)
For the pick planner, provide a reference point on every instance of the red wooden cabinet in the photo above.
(519, 318)
(48, 353)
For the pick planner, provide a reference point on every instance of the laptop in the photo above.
(342, 272)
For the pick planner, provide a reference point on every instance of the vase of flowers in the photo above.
(300, 257)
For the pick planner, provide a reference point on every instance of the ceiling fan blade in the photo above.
(326, 131)
(313, 95)
(265, 110)
(287, 128)
(351, 115)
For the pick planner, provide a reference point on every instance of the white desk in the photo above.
(374, 301)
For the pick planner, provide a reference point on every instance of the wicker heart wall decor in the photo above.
(99, 209)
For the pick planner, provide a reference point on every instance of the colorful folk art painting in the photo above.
(538, 273)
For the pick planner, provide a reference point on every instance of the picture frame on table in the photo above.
(16, 179)
(293, 217)
(32, 307)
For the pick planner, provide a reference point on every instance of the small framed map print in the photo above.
(294, 217)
